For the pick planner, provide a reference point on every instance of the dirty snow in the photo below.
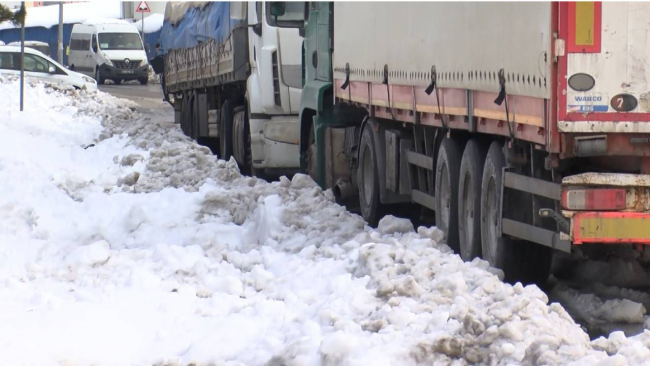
(125, 243)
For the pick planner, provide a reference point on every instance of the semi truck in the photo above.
(523, 129)
(234, 78)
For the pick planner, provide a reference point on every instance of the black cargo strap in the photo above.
(346, 83)
(502, 97)
(385, 81)
(430, 89)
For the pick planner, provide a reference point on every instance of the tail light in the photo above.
(593, 199)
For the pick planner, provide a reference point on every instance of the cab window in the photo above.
(293, 17)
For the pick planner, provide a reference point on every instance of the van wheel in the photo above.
(98, 76)
(144, 81)
(469, 200)
(520, 260)
(117, 81)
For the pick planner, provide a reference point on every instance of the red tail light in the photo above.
(593, 199)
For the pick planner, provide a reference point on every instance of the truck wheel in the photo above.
(311, 155)
(98, 77)
(368, 179)
(117, 81)
(469, 200)
(225, 129)
(520, 260)
(446, 188)
(144, 81)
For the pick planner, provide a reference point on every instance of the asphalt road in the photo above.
(133, 90)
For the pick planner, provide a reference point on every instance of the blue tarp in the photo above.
(42, 34)
(199, 24)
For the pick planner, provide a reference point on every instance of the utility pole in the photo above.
(22, 56)
(59, 44)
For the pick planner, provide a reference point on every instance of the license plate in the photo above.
(127, 71)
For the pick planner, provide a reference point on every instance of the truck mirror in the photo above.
(277, 8)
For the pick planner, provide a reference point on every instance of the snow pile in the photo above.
(124, 242)
(47, 16)
(153, 23)
(606, 291)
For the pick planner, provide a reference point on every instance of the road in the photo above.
(133, 91)
(149, 98)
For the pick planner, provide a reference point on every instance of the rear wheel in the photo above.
(469, 200)
(225, 129)
(447, 169)
(98, 77)
(520, 260)
(311, 155)
(368, 179)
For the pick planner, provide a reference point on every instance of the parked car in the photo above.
(36, 45)
(40, 66)
(108, 51)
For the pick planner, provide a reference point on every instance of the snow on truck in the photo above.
(523, 128)
(235, 75)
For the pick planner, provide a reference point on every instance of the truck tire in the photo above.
(520, 261)
(368, 179)
(469, 200)
(225, 129)
(143, 81)
(446, 190)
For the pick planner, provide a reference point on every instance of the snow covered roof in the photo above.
(29, 43)
(152, 23)
(47, 16)
(100, 21)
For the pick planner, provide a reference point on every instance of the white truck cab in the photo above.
(108, 51)
(274, 86)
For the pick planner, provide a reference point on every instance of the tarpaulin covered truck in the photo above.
(233, 74)
(523, 128)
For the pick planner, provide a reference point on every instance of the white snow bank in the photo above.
(47, 16)
(153, 23)
(193, 263)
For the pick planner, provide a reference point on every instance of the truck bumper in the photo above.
(110, 72)
(275, 142)
(611, 227)
(629, 223)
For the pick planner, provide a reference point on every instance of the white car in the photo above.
(39, 66)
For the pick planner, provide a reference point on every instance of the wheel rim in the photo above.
(468, 213)
(445, 200)
(491, 221)
(368, 176)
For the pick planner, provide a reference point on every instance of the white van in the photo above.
(108, 51)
